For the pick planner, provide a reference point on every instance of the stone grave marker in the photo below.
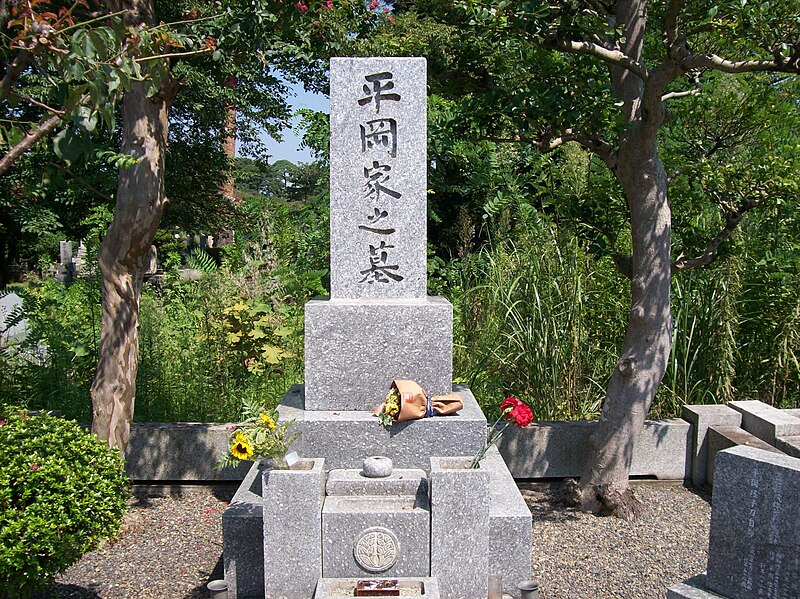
(754, 546)
(379, 324)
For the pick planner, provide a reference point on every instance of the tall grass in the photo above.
(529, 322)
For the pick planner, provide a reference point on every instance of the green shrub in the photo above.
(61, 492)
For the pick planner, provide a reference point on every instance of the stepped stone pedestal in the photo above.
(316, 530)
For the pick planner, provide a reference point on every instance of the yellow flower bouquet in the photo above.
(260, 436)
(407, 400)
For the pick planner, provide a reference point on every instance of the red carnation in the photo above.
(516, 411)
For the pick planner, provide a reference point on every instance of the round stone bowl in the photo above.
(377, 467)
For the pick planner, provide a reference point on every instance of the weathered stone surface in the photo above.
(355, 348)
(789, 445)
(765, 421)
(370, 537)
(377, 467)
(336, 588)
(345, 438)
(459, 527)
(694, 588)
(293, 502)
(242, 538)
(701, 417)
(510, 526)
(725, 437)
(559, 449)
(179, 451)
(409, 481)
(378, 152)
(754, 540)
(10, 306)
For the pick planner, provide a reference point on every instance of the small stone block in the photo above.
(510, 525)
(378, 165)
(789, 445)
(345, 438)
(459, 527)
(242, 538)
(725, 437)
(377, 467)
(293, 502)
(694, 588)
(355, 348)
(375, 536)
(409, 481)
(701, 417)
(765, 421)
(336, 588)
(754, 538)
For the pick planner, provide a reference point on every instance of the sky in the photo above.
(289, 148)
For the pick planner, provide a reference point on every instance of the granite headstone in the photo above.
(754, 545)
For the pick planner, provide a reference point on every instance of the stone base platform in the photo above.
(354, 348)
(346, 437)
(694, 588)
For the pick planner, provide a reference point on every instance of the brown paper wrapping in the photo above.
(414, 401)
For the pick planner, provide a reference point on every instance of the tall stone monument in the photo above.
(379, 324)
(437, 527)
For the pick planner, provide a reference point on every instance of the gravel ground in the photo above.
(171, 546)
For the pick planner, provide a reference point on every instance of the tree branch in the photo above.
(30, 140)
(612, 57)
(732, 220)
(717, 63)
(82, 181)
(17, 66)
(672, 34)
(682, 94)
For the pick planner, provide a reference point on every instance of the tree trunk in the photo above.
(140, 203)
(604, 484)
(603, 487)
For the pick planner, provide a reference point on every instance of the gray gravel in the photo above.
(577, 555)
(171, 546)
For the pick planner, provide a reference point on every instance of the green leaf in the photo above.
(272, 354)
(67, 146)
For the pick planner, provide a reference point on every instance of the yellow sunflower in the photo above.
(241, 448)
(267, 419)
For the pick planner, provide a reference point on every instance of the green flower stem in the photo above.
(492, 437)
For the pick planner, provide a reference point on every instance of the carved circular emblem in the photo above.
(376, 549)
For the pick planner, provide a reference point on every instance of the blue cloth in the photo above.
(429, 407)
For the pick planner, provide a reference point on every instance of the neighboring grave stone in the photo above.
(379, 324)
(754, 546)
(765, 421)
(10, 308)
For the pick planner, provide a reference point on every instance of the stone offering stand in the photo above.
(430, 522)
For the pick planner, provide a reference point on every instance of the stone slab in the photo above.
(402, 481)
(765, 421)
(355, 348)
(336, 588)
(368, 537)
(789, 445)
(242, 538)
(459, 527)
(694, 588)
(510, 525)
(378, 165)
(293, 501)
(559, 449)
(345, 438)
(179, 451)
(701, 417)
(10, 306)
(725, 437)
(754, 538)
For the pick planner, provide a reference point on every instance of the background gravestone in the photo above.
(754, 545)
(379, 324)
